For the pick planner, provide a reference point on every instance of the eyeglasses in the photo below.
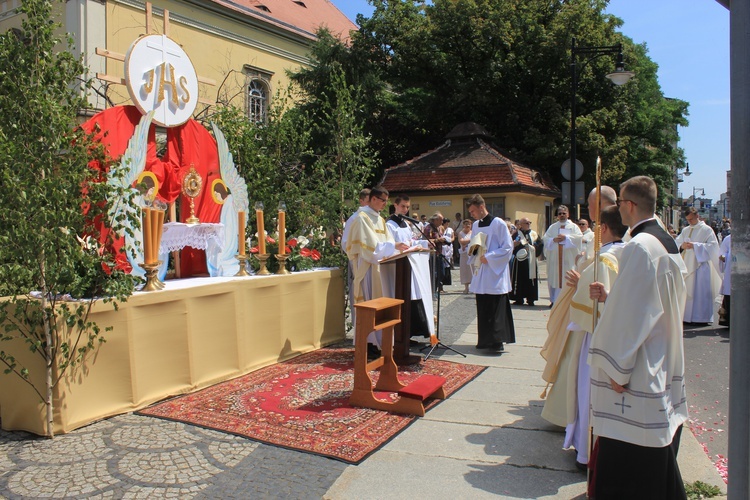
(384, 200)
(620, 201)
(582, 224)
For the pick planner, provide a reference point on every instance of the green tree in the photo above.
(506, 65)
(53, 237)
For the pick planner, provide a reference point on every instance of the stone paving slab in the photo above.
(520, 416)
(482, 443)
(394, 475)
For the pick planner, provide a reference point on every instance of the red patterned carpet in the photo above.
(303, 404)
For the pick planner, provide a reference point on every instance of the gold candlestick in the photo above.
(152, 280)
(263, 257)
(243, 265)
(282, 264)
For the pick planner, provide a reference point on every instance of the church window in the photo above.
(258, 93)
(257, 101)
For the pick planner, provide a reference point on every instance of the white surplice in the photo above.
(587, 244)
(571, 247)
(726, 250)
(582, 318)
(638, 344)
(421, 287)
(492, 278)
(703, 280)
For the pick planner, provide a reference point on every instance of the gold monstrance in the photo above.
(191, 187)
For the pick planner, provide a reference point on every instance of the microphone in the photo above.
(410, 219)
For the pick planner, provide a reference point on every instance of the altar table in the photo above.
(194, 333)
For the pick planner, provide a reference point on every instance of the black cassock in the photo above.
(524, 288)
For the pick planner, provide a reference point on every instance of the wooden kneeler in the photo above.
(383, 314)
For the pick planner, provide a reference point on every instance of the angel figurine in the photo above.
(231, 194)
(133, 162)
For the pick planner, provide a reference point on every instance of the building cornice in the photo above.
(303, 40)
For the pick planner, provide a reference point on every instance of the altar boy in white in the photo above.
(638, 397)
(491, 280)
(406, 236)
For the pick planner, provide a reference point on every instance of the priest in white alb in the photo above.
(367, 241)
(700, 251)
(562, 244)
(638, 396)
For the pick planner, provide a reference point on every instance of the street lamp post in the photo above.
(619, 77)
(695, 190)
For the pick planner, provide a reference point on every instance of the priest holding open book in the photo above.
(405, 233)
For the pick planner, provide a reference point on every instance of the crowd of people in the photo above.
(619, 296)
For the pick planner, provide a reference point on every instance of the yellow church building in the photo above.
(241, 49)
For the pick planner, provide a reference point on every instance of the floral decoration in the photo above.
(301, 251)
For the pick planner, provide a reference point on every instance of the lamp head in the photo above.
(619, 76)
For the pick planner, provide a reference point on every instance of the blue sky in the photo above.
(689, 40)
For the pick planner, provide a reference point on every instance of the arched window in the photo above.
(257, 101)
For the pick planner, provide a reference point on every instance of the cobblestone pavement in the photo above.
(133, 456)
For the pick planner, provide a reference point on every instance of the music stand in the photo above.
(437, 261)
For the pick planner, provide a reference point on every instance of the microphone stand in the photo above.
(437, 261)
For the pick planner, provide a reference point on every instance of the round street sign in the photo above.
(566, 169)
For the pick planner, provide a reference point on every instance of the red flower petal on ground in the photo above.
(315, 255)
(292, 243)
(305, 252)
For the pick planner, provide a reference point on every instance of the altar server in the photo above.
(491, 281)
(587, 239)
(700, 251)
(407, 235)
(638, 396)
(562, 244)
(726, 285)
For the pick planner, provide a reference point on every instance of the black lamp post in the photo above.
(619, 77)
(695, 190)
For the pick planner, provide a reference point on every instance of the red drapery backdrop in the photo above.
(188, 145)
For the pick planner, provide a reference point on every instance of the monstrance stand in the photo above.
(191, 187)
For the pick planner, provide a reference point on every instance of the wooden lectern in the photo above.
(401, 354)
(383, 314)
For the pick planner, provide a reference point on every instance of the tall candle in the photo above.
(282, 232)
(160, 229)
(146, 235)
(155, 235)
(261, 231)
(241, 228)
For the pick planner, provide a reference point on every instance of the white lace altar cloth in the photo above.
(177, 235)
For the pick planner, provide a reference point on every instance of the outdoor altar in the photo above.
(194, 333)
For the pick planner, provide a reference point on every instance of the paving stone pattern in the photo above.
(131, 456)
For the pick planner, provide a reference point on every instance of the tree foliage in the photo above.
(312, 154)
(53, 235)
(505, 64)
